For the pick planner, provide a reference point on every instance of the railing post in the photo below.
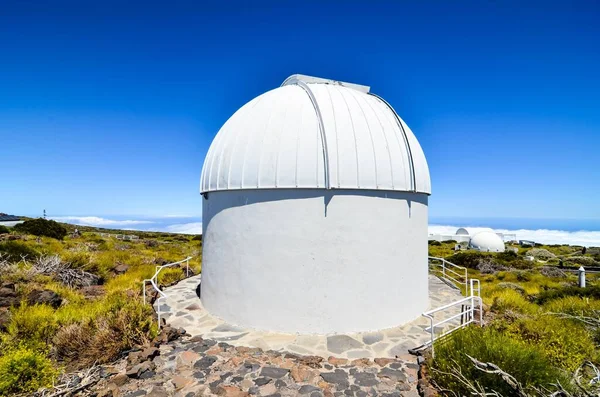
(187, 267)
(431, 331)
(144, 291)
(480, 311)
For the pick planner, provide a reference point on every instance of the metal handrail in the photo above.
(468, 311)
(448, 267)
(154, 279)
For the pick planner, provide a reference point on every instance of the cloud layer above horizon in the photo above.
(546, 236)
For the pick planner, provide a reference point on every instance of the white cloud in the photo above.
(186, 228)
(546, 236)
(97, 221)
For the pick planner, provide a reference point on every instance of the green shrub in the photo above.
(522, 360)
(24, 370)
(510, 299)
(42, 227)
(513, 286)
(33, 325)
(197, 237)
(434, 242)
(4, 229)
(556, 293)
(170, 276)
(16, 250)
(580, 261)
(469, 259)
(566, 344)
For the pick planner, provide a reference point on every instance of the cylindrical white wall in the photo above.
(315, 261)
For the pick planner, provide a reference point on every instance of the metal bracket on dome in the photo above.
(413, 179)
(292, 80)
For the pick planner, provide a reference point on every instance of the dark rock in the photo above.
(361, 393)
(4, 319)
(226, 375)
(93, 291)
(137, 393)
(199, 375)
(365, 379)
(338, 377)
(393, 374)
(120, 379)
(8, 296)
(237, 379)
(205, 362)
(274, 372)
(147, 374)
(311, 361)
(280, 384)
(137, 370)
(149, 353)
(121, 268)
(253, 390)
(261, 381)
(45, 297)
(308, 389)
(396, 365)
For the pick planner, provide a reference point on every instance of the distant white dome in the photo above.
(487, 241)
(316, 133)
(462, 232)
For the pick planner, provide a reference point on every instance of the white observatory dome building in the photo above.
(487, 241)
(315, 213)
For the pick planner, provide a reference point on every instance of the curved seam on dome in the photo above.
(354, 134)
(370, 136)
(279, 147)
(235, 141)
(298, 132)
(337, 146)
(411, 161)
(262, 149)
(387, 144)
(246, 153)
(313, 100)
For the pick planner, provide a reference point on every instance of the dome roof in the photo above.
(487, 241)
(462, 232)
(316, 133)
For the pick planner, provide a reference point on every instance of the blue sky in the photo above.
(109, 109)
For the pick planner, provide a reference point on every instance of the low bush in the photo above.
(16, 250)
(24, 370)
(4, 229)
(522, 360)
(170, 276)
(556, 293)
(197, 237)
(504, 300)
(469, 259)
(434, 242)
(540, 253)
(32, 325)
(580, 261)
(42, 227)
(555, 337)
(513, 286)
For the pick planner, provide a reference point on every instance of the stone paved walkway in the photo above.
(182, 308)
(204, 367)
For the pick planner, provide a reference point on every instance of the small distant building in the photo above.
(526, 243)
(487, 241)
(9, 220)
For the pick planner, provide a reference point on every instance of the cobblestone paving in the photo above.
(204, 367)
(182, 308)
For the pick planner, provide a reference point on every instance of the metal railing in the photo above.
(154, 282)
(450, 271)
(466, 315)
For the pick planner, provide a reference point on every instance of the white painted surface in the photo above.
(487, 241)
(315, 261)
(314, 134)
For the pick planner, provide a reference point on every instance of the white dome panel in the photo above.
(314, 133)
